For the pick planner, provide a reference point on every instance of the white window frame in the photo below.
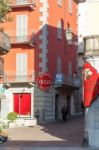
(21, 66)
(22, 28)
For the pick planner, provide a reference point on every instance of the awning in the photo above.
(2, 96)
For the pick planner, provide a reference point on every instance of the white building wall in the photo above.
(88, 23)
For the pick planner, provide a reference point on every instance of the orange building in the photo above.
(39, 46)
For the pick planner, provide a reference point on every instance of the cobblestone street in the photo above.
(54, 134)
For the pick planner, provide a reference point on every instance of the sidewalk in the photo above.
(55, 134)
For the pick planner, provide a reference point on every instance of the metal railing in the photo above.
(68, 81)
(12, 77)
(23, 39)
(4, 41)
(72, 81)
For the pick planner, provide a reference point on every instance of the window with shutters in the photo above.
(70, 6)
(69, 78)
(21, 67)
(59, 30)
(69, 68)
(21, 28)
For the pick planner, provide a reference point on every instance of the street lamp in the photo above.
(69, 37)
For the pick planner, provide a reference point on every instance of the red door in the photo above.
(22, 103)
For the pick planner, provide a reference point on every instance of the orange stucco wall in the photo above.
(55, 47)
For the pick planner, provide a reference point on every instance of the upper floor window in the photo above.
(59, 29)
(21, 66)
(21, 27)
(59, 2)
(21, 1)
(70, 5)
(92, 44)
(59, 65)
(69, 68)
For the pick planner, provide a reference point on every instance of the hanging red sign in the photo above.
(44, 81)
(91, 84)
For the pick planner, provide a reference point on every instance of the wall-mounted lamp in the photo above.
(69, 37)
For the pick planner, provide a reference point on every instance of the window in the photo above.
(59, 64)
(70, 5)
(21, 67)
(21, 28)
(92, 44)
(21, 1)
(59, 30)
(69, 68)
(59, 2)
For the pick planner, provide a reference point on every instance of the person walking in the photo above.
(64, 113)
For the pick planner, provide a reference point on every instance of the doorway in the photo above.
(22, 104)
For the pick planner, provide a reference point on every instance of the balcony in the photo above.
(91, 45)
(4, 43)
(23, 39)
(62, 80)
(23, 4)
(12, 77)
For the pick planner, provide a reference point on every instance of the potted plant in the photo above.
(12, 116)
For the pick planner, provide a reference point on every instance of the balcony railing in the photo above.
(23, 39)
(61, 79)
(4, 43)
(22, 3)
(12, 77)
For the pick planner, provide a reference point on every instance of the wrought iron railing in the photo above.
(62, 79)
(24, 39)
(4, 41)
(12, 77)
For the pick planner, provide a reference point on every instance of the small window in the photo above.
(70, 5)
(92, 44)
(59, 2)
(89, 44)
(59, 30)
(59, 65)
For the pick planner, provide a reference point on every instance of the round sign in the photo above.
(44, 81)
